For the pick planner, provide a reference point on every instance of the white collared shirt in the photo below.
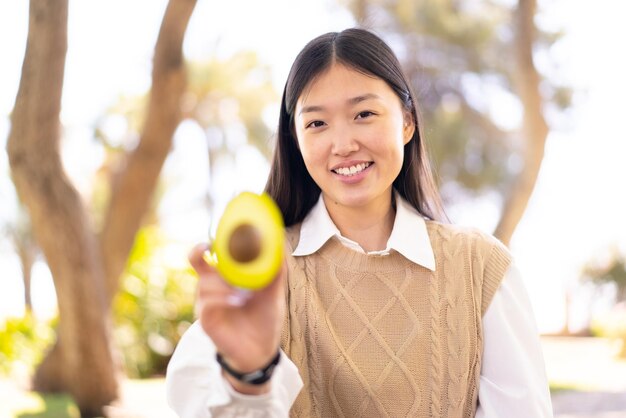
(408, 236)
(513, 382)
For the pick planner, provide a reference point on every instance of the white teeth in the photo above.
(350, 171)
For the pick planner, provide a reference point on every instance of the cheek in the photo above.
(314, 165)
(388, 140)
(309, 157)
(393, 146)
(303, 146)
(312, 149)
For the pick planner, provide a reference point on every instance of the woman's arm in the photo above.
(196, 387)
(513, 380)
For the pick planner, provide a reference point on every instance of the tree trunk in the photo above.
(86, 271)
(535, 128)
(21, 234)
(49, 374)
(134, 185)
(27, 253)
(58, 217)
(359, 10)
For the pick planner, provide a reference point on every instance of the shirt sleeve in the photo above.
(195, 386)
(513, 381)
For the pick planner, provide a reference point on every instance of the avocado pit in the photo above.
(245, 243)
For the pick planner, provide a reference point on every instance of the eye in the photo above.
(315, 124)
(364, 114)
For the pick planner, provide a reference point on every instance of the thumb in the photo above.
(198, 261)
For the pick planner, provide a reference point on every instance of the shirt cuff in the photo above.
(284, 388)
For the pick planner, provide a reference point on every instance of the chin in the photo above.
(351, 201)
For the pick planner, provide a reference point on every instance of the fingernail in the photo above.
(238, 297)
(210, 258)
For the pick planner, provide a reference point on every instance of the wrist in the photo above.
(249, 382)
(246, 389)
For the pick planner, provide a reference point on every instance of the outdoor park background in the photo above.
(574, 219)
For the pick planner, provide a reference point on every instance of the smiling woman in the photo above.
(380, 309)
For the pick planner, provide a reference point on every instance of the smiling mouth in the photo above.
(352, 170)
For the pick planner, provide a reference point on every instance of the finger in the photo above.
(197, 259)
(212, 285)
(217, 308)
(213, 312)
(239, 297)
(274, 292)
(211, 282)
(217, 302)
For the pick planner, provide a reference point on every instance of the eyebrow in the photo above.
(352, 102)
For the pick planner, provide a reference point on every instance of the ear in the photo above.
(408, 128)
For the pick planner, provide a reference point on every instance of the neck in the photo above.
(369, 226)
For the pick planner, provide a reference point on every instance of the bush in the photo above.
(153, 308)
(151, 311)
(612, 325)
(23, 342)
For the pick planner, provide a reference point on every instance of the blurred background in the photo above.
(168, 109)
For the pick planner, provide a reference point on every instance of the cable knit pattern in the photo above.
(293, 336)
(379, 336)
(455, 269)
(314, 318)
(434, 300)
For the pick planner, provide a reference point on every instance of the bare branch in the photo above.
(134, 185)
(535, 128)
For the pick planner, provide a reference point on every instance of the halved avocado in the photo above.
(249, 241)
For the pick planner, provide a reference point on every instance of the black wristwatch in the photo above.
(257, 377)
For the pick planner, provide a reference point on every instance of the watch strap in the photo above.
(257, 377)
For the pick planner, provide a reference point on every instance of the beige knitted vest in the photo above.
(380, 336)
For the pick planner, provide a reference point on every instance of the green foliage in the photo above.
(151, 311)
(23, 342)
(221, 94)
(610, 270)
(558, 387)
(153, 308)
(238, 89)
(50, 406)
(612, 325)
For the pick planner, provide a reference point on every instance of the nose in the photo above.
(344, 141)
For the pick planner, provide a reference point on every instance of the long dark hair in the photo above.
(289, 182)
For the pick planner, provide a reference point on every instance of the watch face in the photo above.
(252, 376)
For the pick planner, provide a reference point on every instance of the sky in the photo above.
(575, 214)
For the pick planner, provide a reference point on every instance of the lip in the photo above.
(354, 178)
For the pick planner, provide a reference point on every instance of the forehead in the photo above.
(340, 82)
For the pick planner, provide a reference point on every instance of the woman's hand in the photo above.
(245, 326)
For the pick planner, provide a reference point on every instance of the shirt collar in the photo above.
(409, 235)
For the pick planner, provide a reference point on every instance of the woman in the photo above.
(380, 309)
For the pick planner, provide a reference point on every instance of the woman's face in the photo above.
(351, 131)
